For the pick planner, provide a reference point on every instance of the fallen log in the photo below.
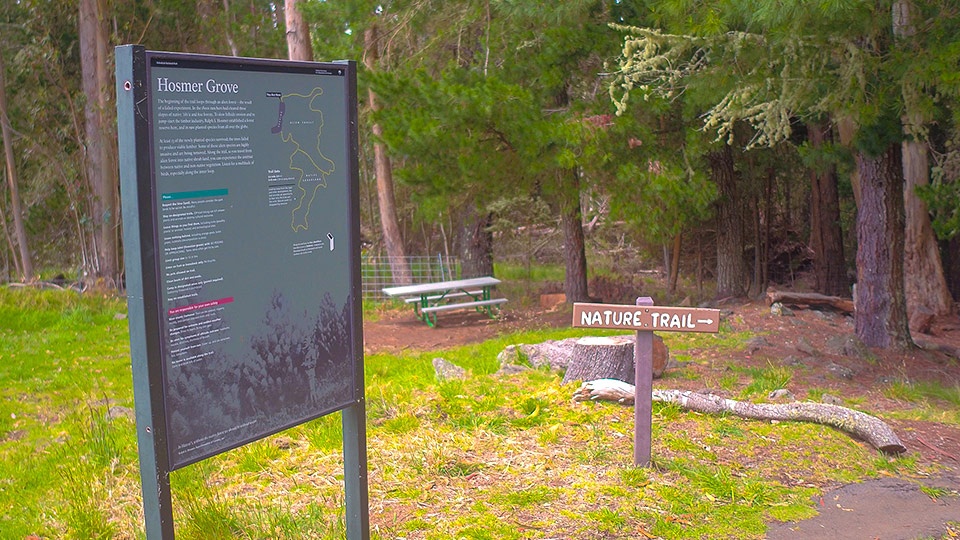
(810, 299)
(937, 347)
(862, 425)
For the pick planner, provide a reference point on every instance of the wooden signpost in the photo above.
(644, 318)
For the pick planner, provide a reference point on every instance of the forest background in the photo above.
(743, 141)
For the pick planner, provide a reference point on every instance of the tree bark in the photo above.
(758, 261)
(826, 235)
(574, 248)
(731, 268)
(675, 263)
(100, 154)
(924, 281)
(228, 28)
(847, 131)
(951, 265)
(881, 317)
(109, 191)
(475, 243)
(298, 33)
(768, 213)
(862, 425)
(7, 263)
(24, 263)
(390, 225)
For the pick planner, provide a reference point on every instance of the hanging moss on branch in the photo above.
(775, 79)
(859, 424)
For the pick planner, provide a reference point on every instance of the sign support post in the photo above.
(356, 498)
(142, 300)
(645, 318)
(643, 392)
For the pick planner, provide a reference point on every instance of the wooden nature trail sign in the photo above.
(644, 318)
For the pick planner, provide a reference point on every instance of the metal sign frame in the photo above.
(143, 249)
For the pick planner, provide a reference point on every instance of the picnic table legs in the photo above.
(488, 309)
(425, 317)
(425, 299)
(429, 317)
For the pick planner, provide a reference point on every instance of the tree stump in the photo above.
(611, 357)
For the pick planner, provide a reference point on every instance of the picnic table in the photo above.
(428, 299)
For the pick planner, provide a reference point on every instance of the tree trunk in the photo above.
(675, 263)
(786, 220)
(759, 262)
(951, 265)
(7, 253)
(574, 248)
(847, 130)
(881, 317)
(860, 424)
(207, 17)
(298, 33)
(924, 281)
(700, 269)
(826, 236)
(228, 28)
(731, 269)
(389, 223)
(768, 212)
(100, 155)
(23, 263)
(475, 243)
(110, 225)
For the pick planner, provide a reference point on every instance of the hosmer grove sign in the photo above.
(240, 192)
(644, 318)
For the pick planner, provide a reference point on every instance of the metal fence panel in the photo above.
(375, 272)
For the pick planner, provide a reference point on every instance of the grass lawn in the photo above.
(484, 457)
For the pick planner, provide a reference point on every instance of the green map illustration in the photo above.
(300, 124)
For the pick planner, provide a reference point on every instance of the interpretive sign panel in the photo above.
(240, 202)
(251, 206)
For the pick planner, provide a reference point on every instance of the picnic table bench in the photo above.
(428, 299)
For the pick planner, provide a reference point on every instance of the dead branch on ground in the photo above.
(798, 299)
(862, 425)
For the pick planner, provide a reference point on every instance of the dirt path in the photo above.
(887, 509)
(395, 331)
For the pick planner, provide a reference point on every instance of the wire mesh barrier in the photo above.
(375, 272)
